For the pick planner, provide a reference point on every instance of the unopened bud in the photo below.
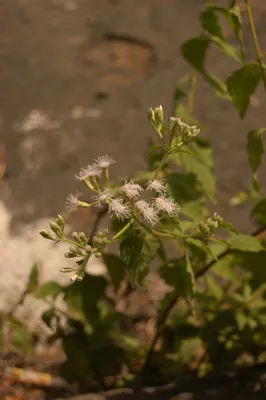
(151, 116)
(66, 269)
(55, 228)
(60, 222)
(83, 237)
(78, 276)
(98, 255)
(76, 237)
(46, 234)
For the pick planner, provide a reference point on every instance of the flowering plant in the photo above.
(216, 284)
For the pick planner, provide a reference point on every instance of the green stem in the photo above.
(73, 243)
(122, 230)
(256, 42)
(160, 166)
(191, 92)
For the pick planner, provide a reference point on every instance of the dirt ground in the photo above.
(76, 80)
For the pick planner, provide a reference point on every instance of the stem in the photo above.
(72, 242)
(256, 42)
(160, 166)
(191, 92)
(163, 318)
(122, 230)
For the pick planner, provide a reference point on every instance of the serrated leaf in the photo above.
(33, 282)
(201, 166)
(130, 250)
(255, 148)
(179, 274)
(244, 242)
(259, 211)
(49, 289)
(241, 84)
(209, 21)
(183, 187)
(200, 245)
(116, 269)
(151, 246)
(194, 51)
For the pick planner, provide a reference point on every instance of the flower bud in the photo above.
(78, 276)
(158, 117)
(55, 228)
(98, 255)
(46, 234)
(83, 238)
(66, 269)
(77, 238)
(60, 222)
(151, 116)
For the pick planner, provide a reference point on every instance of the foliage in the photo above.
(216, 286)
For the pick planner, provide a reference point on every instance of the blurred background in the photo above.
(76, 80)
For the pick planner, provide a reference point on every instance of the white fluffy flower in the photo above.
(148, 212)
(89, 172)
(132, 190)
(121, 210)
(167, 205)
(159, 186)
(72, 202)
(104, 161)
(103, 197)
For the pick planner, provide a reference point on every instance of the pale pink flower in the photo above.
(90, 171)
(132, 190)
(72, 201)
(167, 205)
(104, 161)
(159, 186)
(103, 197)
(148, 212)
(120, 209)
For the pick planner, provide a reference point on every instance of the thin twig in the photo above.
(256, 42)
(162, 319)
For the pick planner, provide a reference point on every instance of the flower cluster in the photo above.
(181, 131)
(209, 227)
(132, 202)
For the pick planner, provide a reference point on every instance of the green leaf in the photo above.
(151, 247)
(130, 250)
(259, 211)
(194, 51)
(209, 22)
(201, 166)
(48, 316)
(21, 337)
(218, 85)
(33, 282)
(84, 298)
(200, 245)
(116, 269)
(244, 242)
(255, 148)
(235, 20)
(256, 264)
(214, 287)
(226, 48)
(241, 84)
(179, 274)
(49, 289)
(183, 187)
